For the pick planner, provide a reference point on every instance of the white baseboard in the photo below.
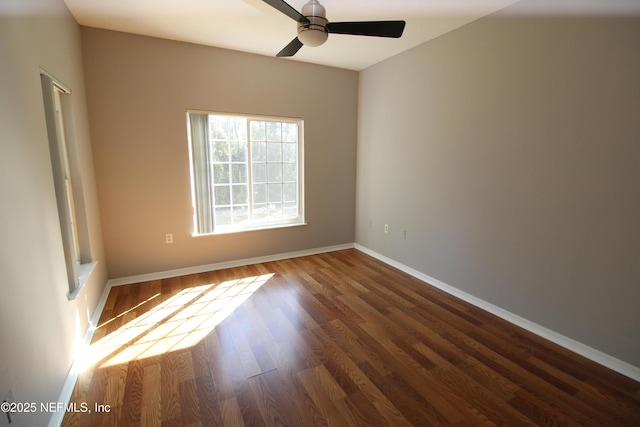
(222, 265)
(590, 353)
(566, 342)
(76, 367)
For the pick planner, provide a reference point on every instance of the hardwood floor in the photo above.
(337, 339)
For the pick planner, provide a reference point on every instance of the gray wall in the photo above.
(39, 328)
(139, 89)
(509, 150)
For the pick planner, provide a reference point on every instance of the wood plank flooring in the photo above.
(337, 339)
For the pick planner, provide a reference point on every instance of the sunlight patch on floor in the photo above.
(178, 323)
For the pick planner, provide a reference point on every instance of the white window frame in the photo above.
(67, 180)
(203, 181)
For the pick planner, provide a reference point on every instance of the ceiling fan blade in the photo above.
(290, 49)
(368, 28)
(287, 10)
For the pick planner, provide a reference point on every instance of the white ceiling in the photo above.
(254, 26)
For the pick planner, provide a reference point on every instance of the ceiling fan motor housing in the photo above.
(314, 33)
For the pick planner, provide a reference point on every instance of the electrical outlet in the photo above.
(168, 238)
(386, 228)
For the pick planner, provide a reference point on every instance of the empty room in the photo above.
(260, 213)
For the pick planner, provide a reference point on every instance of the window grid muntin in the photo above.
(281, 134)
(226, 144)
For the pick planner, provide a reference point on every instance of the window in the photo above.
(67, 183)
(246, 172)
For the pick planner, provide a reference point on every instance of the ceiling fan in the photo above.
(314, 28)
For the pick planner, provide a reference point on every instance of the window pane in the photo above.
(275, 172)
(290, 132)
(290, 173)
(223, 216)
(239, 194)
(259, 151)
(290, 210)
(258, 131)
(261, 211)
(275, 193)
(220, 173)
(227, 128)
(259, 194)
(289, 152)
(239, 173)
(220, 151)
(274, 152)
(274, 131)
(275, 211)
(290, 192)
(217, 128)
(240, 214)
(222, 195)
(239, 129)
(259, 172)
(238, 151)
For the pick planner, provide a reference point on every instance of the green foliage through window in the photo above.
(254, 171)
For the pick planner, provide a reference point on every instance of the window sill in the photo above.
(84, 272)
(255, 228)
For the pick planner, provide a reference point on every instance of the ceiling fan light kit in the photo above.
(314, 28)
(314, 33)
